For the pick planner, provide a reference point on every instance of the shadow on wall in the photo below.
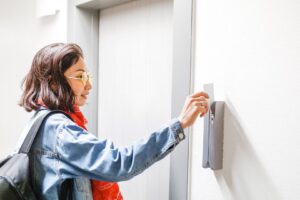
(243, 176)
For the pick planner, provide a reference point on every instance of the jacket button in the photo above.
(181, 136)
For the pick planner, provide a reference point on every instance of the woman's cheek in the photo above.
(77, 89)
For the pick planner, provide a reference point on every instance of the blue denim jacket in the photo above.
(63, 150)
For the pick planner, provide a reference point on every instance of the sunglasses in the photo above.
(84, 78)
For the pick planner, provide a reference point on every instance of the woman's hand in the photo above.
(195, 105)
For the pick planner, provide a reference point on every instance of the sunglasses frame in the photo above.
(85, 77)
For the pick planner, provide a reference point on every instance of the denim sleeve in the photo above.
(82, 154)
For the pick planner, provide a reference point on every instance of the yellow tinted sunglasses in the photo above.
(84, 78)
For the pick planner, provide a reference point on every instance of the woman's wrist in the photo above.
(180, 119)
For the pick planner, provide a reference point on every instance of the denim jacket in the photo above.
(63, 150)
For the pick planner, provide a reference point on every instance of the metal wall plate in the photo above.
(213, 135)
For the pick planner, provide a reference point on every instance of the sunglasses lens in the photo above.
(90, 79)
(86, 77)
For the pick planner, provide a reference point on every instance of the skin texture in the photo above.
(195, 104)
(80, 90)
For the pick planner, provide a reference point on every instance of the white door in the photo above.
(135, 70)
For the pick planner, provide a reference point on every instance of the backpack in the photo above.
(14, 170)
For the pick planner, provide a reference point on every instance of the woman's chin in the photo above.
(80, 103)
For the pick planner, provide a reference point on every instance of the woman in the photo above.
(64, 156)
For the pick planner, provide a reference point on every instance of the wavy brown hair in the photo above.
(46, 80)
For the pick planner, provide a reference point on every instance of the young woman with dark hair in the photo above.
(65, 150)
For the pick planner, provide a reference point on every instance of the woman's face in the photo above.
(79, 81)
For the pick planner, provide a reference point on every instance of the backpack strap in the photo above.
(25, 148)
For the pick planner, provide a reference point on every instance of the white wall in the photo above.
(250, 49)
(22, 34)
(135, 70)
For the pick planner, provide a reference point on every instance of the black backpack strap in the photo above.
(25, 148)
(66, 190)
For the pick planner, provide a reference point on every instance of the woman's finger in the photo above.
(195, 101)
(198, 94)
(201, 98)
(204, 113)
(200, 103)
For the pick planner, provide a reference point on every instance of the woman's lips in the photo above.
(84, 96)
